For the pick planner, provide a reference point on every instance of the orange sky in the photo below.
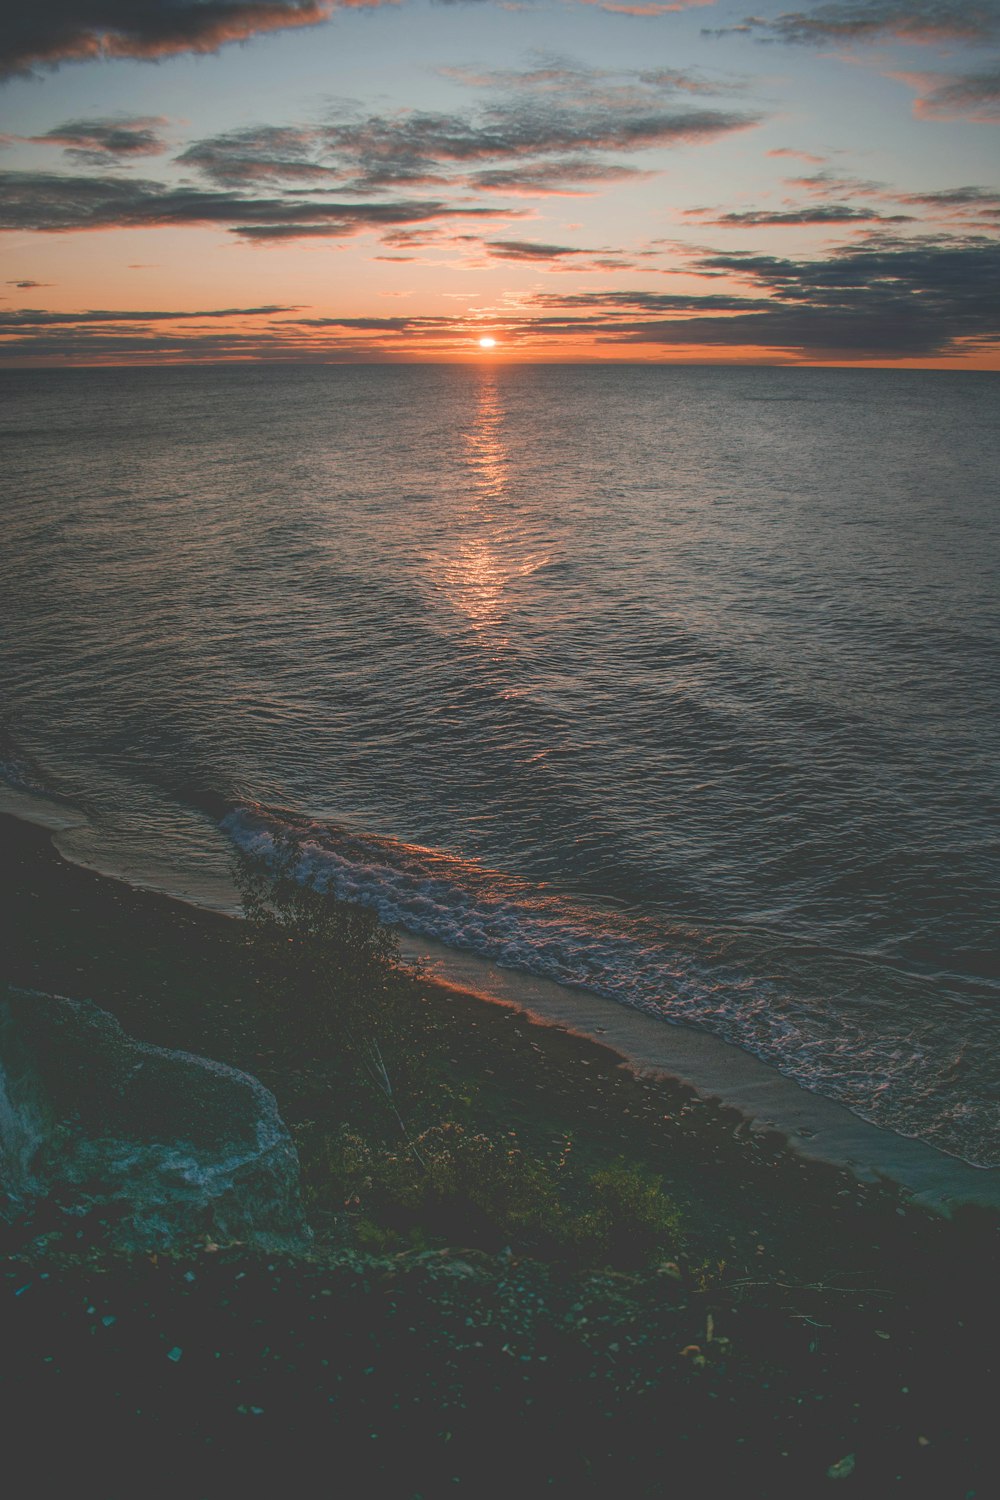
(579, 181)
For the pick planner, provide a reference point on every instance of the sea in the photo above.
(676, 687)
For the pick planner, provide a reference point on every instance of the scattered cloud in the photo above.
(31, 317)
(565, 176)
(921, 21)
(54, 203)
(816, 214)
(971, 205)
(652, 304)
(376, 325)
(806, 156)
(387, 150)
(645, 9)
(557, 257)
(829, 183)
(98, 142)
(973, 208)
(549, 74)
(887, 300)
(962, 198)
(963, 96)
(549, 129)
(47, 33)
(529, 251)
(895, 300)
(431, 183)
(262, 153)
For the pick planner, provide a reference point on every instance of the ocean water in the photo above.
(677, 685)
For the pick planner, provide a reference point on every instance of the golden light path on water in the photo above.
(490, 548)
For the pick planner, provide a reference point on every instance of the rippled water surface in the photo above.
(678, 684)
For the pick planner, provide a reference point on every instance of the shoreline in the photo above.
(811, 1126)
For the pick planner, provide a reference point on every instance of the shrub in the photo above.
(328, 967)
(465, 1187)
(630, 1220)
(454, 1183)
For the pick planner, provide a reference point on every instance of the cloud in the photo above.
(376, 325)
(895, 300)
(826, 183)
(262, 153)
(889, 300)
(965, 96)
(557, 257)
(55, 203)
(529, 251)
(31, 317)
(45, 33)
(800, 155)
(651, 303)
(361, 339)
(549, 129)
(26, 286)
(353, 218)
(645, 9)
(970, 208)
(385, 150)
(561, 75)
(567, 176)
(969, 205)
(818, 214)
(961, 197)
(87, 345)
(919, 21)
(98, 142)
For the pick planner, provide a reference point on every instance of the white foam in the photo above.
(868, 1059)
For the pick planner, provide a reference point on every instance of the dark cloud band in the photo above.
(49, 32)
(54, 203)
(871, 20)
(893, 300)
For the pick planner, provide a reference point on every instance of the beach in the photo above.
(829, 1318)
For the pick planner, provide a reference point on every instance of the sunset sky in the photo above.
(300, 180)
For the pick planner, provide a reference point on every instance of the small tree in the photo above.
(332, 960)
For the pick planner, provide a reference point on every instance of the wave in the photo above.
(838, 1024)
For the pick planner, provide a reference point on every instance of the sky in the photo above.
(643, 180)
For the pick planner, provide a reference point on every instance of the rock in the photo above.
(171, 1146)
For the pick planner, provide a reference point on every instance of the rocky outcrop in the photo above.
(166, 1145)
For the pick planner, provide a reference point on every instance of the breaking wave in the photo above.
(806, 1012)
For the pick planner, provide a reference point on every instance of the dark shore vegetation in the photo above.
(531, 1271)
(404, 1155)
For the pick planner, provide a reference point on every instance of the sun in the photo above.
(487, 343)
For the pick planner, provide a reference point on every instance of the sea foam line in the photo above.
(869, 1059)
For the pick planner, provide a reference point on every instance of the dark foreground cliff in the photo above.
(796, 1333)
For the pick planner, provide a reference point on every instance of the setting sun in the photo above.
(487, 343)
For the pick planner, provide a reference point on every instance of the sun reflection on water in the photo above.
(490, 547)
